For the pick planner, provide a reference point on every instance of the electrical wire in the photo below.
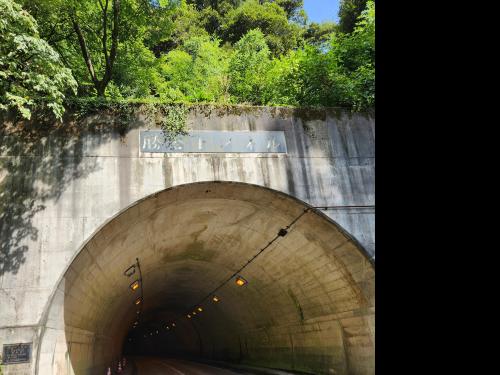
(325, 208)
(281, 233)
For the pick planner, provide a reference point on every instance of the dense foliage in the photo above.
(220, 51)
(349, 12)
(31, 72)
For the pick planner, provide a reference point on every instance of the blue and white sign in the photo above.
(215, 141)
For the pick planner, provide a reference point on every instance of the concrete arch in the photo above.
(308, 305)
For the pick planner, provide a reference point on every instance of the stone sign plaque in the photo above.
(215, 141)
(16, 353)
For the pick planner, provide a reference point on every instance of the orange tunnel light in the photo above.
(240, 281)
(135, 285)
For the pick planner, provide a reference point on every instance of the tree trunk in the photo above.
(101, 88)
(101, 84)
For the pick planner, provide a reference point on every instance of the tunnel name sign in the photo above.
(16, 353)
(215, 141)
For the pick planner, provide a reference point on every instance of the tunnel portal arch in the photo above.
(308, 304)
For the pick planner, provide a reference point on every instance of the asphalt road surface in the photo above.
(160, 366)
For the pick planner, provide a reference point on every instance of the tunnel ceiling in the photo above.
(191, 238)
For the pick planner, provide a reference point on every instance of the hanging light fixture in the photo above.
(135, 285)
(129, 271)
(215, 299)
(240, 281)
(282, 232)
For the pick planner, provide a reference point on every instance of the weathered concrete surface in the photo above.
(57, 186)
(309, 304)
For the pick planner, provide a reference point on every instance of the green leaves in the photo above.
(338, 73)
(272, 20)
(32, 73)
(197, 72)
(349, 12)
(248, 67)
(248, 51)
(20, 103)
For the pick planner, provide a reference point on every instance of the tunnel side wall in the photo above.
(58, 184)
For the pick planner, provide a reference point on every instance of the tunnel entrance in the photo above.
(160, 279)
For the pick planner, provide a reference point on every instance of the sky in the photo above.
(322, 10)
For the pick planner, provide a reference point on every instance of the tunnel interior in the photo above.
(159, 279)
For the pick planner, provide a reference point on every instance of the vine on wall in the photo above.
(170, 118)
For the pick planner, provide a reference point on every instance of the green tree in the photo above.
(317, 34)
(352, 61)
(248, 67)
(218, 5)
(284, 83)
(349, 12)
(300, 78)
(31, 72)
(136, 72)
(215, 13)
(281, 35)
(197, 72)
(291, 7)
(176, 69)
(78, 15)
(90, 34)
(253, 51)
(338, 73)
(210, 69)
(187, 23)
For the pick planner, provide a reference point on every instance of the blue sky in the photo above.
(322, 10)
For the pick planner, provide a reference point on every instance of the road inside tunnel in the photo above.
(219, 271)
(173, 366)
